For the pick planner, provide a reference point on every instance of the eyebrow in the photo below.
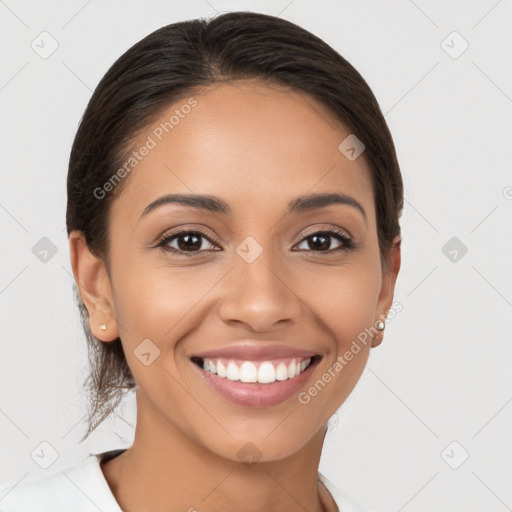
(300, 204)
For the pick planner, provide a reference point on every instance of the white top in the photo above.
(83, 488)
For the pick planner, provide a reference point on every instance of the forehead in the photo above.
(253, 145)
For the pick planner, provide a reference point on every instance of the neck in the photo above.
(164, 470)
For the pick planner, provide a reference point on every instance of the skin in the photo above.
(257, 147)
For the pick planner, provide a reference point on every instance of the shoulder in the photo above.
(79, 488)
(344, 502)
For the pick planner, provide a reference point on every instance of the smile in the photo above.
(255, 383)
(264, 372)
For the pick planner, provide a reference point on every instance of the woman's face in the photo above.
(262, 273)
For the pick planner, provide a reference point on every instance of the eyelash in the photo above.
(348, 243)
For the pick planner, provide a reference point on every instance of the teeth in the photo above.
(291, 370)
(281, 372)
(266, 372)
(248, 371)
(221, 370)
(233, 372)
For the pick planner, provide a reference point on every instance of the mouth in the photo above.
(261, 382)
(263, 372)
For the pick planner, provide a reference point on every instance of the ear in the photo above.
(389, 276)
(94, 285)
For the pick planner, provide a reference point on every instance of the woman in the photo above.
(233, 206)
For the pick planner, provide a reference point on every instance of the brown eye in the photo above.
(321, 241)
(185, 241)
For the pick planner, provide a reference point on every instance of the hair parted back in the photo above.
(173, 62)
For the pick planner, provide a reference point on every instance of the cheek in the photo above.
(158, 301)
(343, 299)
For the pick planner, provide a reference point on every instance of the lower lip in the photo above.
(254, 394)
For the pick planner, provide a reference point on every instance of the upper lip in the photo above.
(255, 351)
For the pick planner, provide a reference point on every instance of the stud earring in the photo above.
(103, 327)
(380, 325)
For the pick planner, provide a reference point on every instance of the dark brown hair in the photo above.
(177, 60)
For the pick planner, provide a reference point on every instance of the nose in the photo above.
(257, 296)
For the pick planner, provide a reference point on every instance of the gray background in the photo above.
(438, 389)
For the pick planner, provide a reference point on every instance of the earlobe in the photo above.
(379, 336)
(94, 286)
(388, 287)
(377, 340)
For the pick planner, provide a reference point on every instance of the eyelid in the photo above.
(328, 229)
